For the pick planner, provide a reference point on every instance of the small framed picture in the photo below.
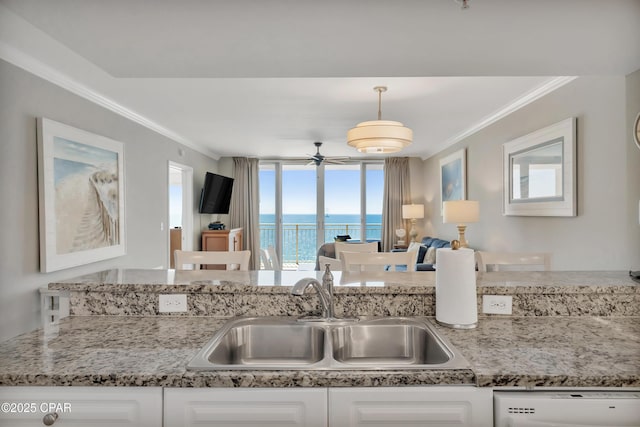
(453, 177)
(81, 196)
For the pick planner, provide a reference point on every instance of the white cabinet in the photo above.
(245, 407)
(248, 407)
(81, 406)
(411, 406)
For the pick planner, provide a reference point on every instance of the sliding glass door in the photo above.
(373, 194)
(342, 204)
(303, 207)
(299, 215)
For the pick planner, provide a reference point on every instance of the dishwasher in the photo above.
(566, 408)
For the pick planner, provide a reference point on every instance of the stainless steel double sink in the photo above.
(285, 343)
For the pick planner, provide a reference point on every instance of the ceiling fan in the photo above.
(318, 158)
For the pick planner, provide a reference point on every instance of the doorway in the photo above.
(180, 189)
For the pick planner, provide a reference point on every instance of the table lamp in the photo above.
(413, 212)
(461, 212)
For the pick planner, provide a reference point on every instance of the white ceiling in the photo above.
(268, 77)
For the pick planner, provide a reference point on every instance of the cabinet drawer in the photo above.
(82, 406)
(410, 406)
(245, 407)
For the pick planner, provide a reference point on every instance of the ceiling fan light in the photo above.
(379, 136)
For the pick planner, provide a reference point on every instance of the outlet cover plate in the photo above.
(497, 304)
(172, 303)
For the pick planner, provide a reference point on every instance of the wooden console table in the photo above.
(221, 240)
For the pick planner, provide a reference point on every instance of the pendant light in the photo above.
(379, 136)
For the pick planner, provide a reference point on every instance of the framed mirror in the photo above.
(539, 171)
(636, 130)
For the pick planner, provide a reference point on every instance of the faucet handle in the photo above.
(327, 279)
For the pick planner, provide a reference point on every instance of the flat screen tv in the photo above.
(216, 194)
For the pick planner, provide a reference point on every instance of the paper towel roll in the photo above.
(456, 300)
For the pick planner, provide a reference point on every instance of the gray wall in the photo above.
(601, 236)
(23, 97)
(633, 170)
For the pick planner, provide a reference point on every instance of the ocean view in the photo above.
(328, 219)
(299, 232)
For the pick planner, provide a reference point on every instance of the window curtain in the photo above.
(397, 192)
(244, 211)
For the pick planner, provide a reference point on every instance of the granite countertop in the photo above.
(279, 282)
(154, 351)
(543, 344)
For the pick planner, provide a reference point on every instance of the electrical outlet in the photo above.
(172, 303)
(497, 304)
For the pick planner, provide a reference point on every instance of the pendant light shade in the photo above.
(379, 136)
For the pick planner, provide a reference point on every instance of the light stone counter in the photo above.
(154, 351)
(266, 281)
(262, 293)
(574, 329)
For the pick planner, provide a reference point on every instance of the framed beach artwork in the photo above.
(453, 177)
(81, 196)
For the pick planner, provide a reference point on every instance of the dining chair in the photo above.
(378, 261)
(355, 247)
(273, 256)
(264, 258)
(510, 261)
(270, 258)
(334, 264)
(234, 260)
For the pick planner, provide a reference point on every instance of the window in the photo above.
(302, 207)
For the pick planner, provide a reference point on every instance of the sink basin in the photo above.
(259, 344)
(285, 343)
(387, 343)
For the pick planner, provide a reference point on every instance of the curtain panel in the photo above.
(397, 192)
(244, 211)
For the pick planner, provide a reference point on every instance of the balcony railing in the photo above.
(299, 240)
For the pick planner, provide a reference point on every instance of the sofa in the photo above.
(423, 264)
(329, 250)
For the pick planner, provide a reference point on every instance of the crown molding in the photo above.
(44, 71)
(518, 103)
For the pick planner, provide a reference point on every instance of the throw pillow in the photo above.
(413, 246)
(430, 257)
(421, 254)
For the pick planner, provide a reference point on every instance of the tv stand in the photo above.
(221, 240)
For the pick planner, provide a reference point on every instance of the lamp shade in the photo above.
(412, 211)
(461, 211)
(379, 136)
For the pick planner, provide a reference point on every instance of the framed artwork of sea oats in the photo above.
(453, 177)
(81, 196)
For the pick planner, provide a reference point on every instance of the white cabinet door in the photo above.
(245, 407)
(411, 406)
(82, 406)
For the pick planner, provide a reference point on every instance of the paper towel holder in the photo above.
(456, 291)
